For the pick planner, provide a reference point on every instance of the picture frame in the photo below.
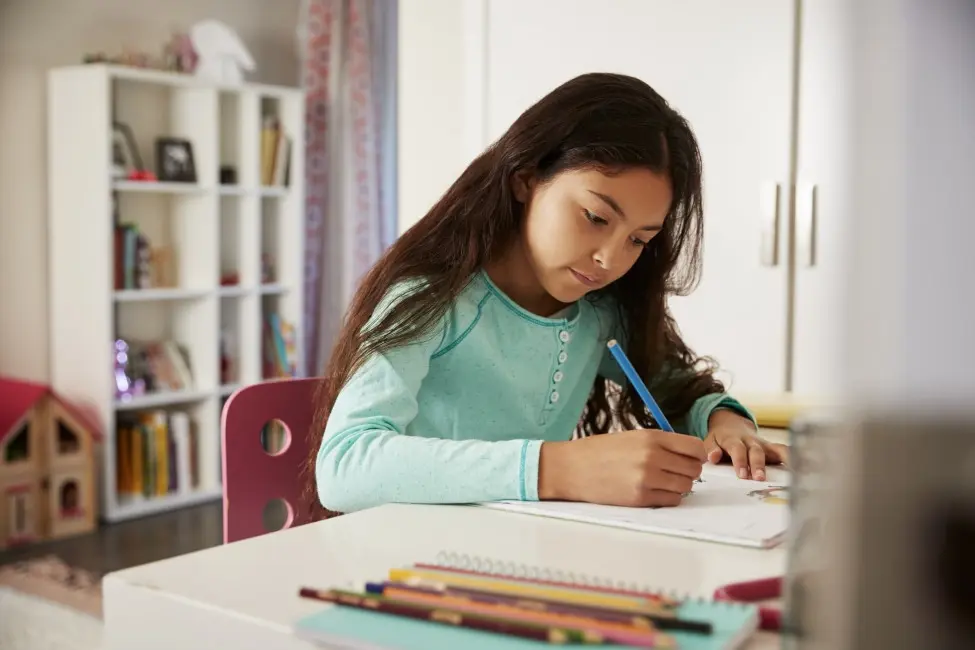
(174, 160)
(126, 160)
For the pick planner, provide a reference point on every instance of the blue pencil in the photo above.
(638, 384)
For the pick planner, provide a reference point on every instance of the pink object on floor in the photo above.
(252, 477)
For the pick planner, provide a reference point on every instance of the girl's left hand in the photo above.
(733, 435)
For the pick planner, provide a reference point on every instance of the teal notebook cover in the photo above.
(348, 628)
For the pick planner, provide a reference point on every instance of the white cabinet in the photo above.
(761, 83)
(823, 195)
(726, 68)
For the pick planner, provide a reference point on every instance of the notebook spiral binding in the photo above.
(487, 566)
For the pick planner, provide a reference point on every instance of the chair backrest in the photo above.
(254, 478)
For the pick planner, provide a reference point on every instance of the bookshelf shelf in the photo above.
(235, 291)
(135, 295)
(145, 272)
(228, 389)
(161, 398)
(157, 187)
(266, 192)
(131, 507)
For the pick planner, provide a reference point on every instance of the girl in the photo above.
(476, 347)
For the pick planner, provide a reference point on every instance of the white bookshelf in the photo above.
(211, 228)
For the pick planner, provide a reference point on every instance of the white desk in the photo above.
(244, 595)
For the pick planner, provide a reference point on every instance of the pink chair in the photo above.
(252, 477)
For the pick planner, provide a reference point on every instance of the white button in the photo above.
(563, 356)
(564, 336)
(557, 377)
(555, 396)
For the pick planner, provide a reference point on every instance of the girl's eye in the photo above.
(595, 218)
(638, 242)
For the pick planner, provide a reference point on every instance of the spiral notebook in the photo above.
(721, 508)
(351, 629)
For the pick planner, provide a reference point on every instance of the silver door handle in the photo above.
(769, 207)
(806, 216)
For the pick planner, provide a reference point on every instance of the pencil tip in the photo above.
(611, 343)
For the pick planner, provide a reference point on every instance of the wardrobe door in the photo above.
(727, 67)
(822, 202)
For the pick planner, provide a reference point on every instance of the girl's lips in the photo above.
(585, 279)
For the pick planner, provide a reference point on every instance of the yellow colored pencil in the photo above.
(580, 596)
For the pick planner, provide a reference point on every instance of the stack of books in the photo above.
(275, 154)
(156, 454)
(431, 606)
(280, 347)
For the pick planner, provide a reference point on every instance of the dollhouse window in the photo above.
(19, 516)
(68, 442)
(70, 499)
(18, 448)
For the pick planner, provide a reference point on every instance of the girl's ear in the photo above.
(521, 185)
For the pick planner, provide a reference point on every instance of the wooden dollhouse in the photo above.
(47, 465)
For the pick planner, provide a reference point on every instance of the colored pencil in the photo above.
(447, 616)
(622, 633)
(638, 384)
(655, 597)
(528, 589)
(644, 620)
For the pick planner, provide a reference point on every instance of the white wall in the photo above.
(433, 123)
(36, 35)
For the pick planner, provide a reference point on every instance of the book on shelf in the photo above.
(275, 154)
(151, 366)
(139, 264)
(274, 437)
(156, 454)
(280, 356)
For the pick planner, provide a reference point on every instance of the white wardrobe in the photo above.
(763, 84)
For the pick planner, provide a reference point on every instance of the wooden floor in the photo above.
(131, 543)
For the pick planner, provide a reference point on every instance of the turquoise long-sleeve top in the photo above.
(460, 415)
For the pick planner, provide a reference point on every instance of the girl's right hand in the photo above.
(643, 468)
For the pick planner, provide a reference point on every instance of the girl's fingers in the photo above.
(776, 453)
(678, 464)
(660, 499)
(713, 450)
(739, 456)
(756, 460)
(715, 455)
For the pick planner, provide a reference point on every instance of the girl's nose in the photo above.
(607, 256)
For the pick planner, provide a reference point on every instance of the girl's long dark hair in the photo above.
(608, 122)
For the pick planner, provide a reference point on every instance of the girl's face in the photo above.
(583, 229)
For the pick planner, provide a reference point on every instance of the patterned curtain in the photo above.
(349, 74)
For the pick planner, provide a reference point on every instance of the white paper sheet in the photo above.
(723, 508)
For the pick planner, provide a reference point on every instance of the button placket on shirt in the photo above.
(564, 338)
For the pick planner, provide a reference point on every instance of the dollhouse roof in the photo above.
(17, 397)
